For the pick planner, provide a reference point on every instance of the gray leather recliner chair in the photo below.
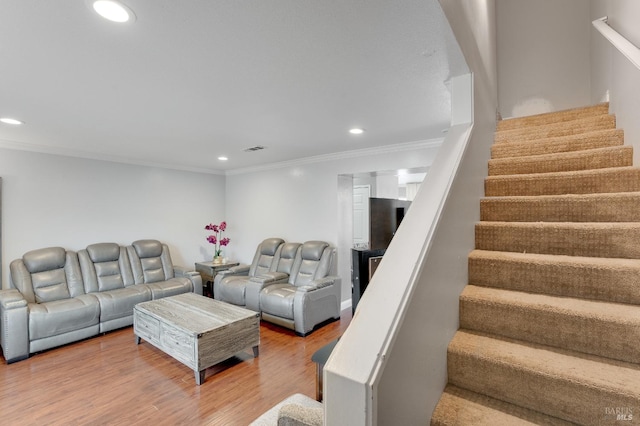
(288, 253)
(310, 296)
(230, 285)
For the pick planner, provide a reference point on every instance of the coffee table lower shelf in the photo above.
(196, 330)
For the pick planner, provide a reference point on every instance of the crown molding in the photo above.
(407, 146)
(66, 152)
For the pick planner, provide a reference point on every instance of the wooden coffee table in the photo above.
(196, 330)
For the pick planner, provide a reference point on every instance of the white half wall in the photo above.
(307, 200)
(543, 55)
(50, 200)
(613, 76)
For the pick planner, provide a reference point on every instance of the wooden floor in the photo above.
(109, 380)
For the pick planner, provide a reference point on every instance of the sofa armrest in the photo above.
(315, 303)
(194, 277)
(271, 278)
(236, 270)
(317, 284)
(14, 325)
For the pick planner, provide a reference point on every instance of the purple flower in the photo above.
(217, 239)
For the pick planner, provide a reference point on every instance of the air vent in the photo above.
(254, 148)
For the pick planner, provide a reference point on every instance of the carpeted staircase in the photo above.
(550, 321)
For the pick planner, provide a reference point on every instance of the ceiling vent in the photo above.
(254, 148)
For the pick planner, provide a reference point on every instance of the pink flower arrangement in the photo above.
(217, 239)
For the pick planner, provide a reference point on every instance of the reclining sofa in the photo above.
(61, 296)
(289, 284)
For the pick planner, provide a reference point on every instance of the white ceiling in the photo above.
(192, 80)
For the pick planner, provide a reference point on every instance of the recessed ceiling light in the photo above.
(356, 131)
(222, 158)
(8, 120)
(113, 10)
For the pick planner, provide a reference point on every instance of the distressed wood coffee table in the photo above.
(196, 330)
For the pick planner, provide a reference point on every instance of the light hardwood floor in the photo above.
(109, 380)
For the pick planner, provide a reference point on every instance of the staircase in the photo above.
(550, 321)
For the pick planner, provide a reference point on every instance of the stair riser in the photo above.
(553, 117)
(598, 182)
(587, 209)
(556, 130)
(611, 242)
(583, 160)
(592, 140)
(610, 284)
(541, 324)
(554, 396)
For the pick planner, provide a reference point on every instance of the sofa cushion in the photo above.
(47, 274)
(314, 262)
(50, 285)
(170, 287)
(233, 290)
(271, 417)
(44, 259)
(277, 299)
(148, 248)
(300, 415)
(103, 252)
(287, 257)
(150, 261)
(62, 316)
(266, 257)
(119, 303)
(105, 266)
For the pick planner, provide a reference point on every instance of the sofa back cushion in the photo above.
(312, 262)
(150, 261)
(266, 257)
(105, 266)
(47, 274)
(287, 257)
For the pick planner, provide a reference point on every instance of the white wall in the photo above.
(543, 55)
(416, 369)
(303, 202)
(611, 73)
(50, 200)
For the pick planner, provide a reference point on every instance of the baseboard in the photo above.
(346, 304)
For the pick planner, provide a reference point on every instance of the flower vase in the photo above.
(217, 260)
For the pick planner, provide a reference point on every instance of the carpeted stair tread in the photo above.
(597, 278)
(462, 407)
(617, 179)
(598, 158)
(553, 117)
(607, 207)
(586, 326)
(550, 318)
(568, 385)
(579, 142)
(573, 127)
(590, 239)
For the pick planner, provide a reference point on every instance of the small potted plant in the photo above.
(217, 240)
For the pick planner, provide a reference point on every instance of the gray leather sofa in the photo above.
(309, 295)
(290, 284)
(61, 296)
